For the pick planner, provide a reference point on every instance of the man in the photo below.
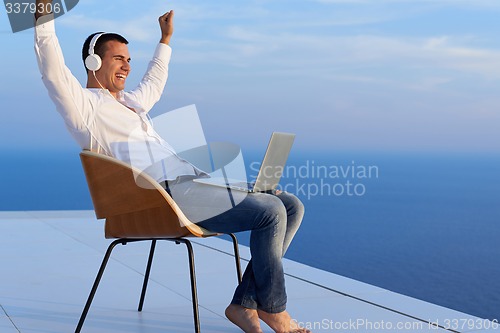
(103, 116)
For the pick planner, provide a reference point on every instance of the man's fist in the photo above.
(166, 26)
(43, 7)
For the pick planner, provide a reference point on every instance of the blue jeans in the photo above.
(273, 221)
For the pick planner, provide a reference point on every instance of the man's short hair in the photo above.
(99, 47)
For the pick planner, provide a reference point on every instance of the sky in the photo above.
(360, 75)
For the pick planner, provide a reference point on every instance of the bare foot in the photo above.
(244, 318)
(295, 328)
(281, 322)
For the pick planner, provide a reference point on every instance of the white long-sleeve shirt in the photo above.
(100, 122)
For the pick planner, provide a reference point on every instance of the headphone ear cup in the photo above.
(93, 62)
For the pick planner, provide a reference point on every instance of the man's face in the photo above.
(115, 67)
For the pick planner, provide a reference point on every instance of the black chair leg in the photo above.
(236, 256)
(192, 273)
(96, 282)
(146, 275)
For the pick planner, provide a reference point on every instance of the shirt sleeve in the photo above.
(64, 89)
(153, 83)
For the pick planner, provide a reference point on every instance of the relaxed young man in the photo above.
(105, 118)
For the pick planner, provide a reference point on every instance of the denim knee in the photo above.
(294, 207)
(273, 211)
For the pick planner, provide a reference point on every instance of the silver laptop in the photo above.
(270, 171)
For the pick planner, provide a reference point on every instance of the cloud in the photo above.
(475, 3)
(257, 36)
(138, 29)
(374, 61)
(312, 53)
(144, 27)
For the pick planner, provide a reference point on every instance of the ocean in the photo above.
(426, 225)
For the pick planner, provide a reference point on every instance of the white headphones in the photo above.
(93, 62)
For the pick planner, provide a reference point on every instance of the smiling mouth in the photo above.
(121, 77)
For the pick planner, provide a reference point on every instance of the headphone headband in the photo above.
(94, 41)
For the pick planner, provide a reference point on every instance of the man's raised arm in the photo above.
(153, 83)
(63, 88)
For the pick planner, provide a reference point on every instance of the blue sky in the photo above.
(342, 74)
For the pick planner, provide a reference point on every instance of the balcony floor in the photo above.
(50, 259)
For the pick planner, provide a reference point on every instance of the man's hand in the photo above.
(41, 8)
(166, 25)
